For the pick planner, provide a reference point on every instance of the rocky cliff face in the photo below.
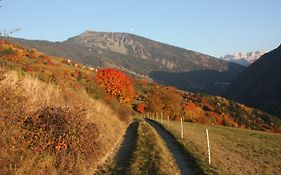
(116, 42)
(163, 56)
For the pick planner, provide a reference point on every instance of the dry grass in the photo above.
(152, 155)
(39, 94)
(48, 130)
(233, 151)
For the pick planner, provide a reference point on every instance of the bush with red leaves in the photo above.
(116, 83)
(140, 108)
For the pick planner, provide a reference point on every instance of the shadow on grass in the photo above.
(122, 159)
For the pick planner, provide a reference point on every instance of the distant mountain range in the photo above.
(142, 57)
(259, 85)
(244, 58)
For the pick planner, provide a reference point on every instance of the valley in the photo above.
(62, 117)
(140, 87)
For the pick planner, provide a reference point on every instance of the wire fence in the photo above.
(179, 129)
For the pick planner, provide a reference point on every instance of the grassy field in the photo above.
(233, 151)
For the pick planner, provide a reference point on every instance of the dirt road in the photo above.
(185, 163)
(122, 160)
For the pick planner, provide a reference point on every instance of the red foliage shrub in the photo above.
(144, 82)
(31, 55)
(19, 55)
(10, 56)
(203, 120)
(28, 68)
(66, 74)
(116, 83)
(205, 105)
(77, 74)
(140, 108)
(218, 119)
(190, 106)
(40, 61)
(48, 60)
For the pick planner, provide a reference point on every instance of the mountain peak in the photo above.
(88, 31)
(92, 32)
(244, 58)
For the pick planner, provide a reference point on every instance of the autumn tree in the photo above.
(116, 83)
(164, 99)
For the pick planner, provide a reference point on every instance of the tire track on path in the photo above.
(186, 163)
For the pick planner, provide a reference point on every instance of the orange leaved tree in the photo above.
(116, 83)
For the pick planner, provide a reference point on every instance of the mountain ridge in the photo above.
(127, 42)
(186, 55)
(136, 54)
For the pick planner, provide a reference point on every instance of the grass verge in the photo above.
(233, 151)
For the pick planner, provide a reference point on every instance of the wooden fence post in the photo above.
(181, 128)
(169, 122)
(209, 149)
(157, 117)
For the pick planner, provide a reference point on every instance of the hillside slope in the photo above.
(51, 121)
(259, 84)
(133, 52)
(58, 118)
(45, 129)
(118, 91)
(137, 55)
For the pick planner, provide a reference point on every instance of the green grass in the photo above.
(233, 151)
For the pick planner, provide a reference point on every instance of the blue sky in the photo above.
(214, 27)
